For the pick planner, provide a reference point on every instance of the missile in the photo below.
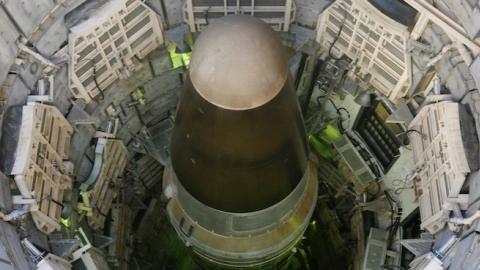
(240, 183)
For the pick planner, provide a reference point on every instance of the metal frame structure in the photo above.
(41, 170)
(429, 13)
(106, 186)
(278, 14)
(376, 44)
(440, 157)
(148, 172)
(108, 46)
(122, 217)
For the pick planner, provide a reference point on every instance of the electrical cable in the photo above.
(97, 85)
(467, 93)
(401, 185)
(395, 217)
(391, 202)
(405, 140)
(333, 43)
(95, 81)
(339, 32)
(414, 130)
(205, 16)
(338, 111)
(340, 123)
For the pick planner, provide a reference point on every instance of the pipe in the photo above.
(465, 221)
(41, 87)
(22, 187)
(97, 165)
(442, 251)
(457, 211)
(440, 55)
(15, 214)
(437, 86)
(36, 254)
(33, 249)
(19, 200)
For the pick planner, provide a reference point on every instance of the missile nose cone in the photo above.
(244, 186)
(239, 63)
(238, 143)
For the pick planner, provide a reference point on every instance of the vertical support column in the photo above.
(288, 14)
(420, 26)
(191, 18)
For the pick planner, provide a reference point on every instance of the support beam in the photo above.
(288, 14)
(191, 18)
(451, 28)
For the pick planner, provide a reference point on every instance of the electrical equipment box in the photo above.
(376, 251)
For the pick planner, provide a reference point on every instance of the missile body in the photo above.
(240, 183)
